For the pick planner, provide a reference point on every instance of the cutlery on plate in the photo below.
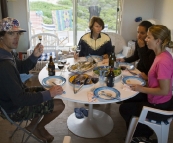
(109, 95)
(57, 84)
(92, 59)
(133, 73)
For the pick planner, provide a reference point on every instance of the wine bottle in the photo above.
(51, 67)
(112, 58)
(110, 78)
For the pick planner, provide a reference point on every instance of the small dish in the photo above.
(107, 93)
(49, 81)
(75, 79)
(131, 80)
(95, 57)
(81, 67)
(104, 70)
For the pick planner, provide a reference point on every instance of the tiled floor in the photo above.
(58, 128)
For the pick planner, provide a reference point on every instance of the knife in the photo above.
(85, 81)
(133, 73)
(74, 82)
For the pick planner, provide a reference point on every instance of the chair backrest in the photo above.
(118, 41)
(49, 41)
(48, 27)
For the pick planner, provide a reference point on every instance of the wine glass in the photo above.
(63, 60)
(60, 66)
(40, 38)
(94, 79)
(78, 49)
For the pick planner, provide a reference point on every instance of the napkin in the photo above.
(127, 88)
(91, 97)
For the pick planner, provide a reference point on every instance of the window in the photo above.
(44, 13)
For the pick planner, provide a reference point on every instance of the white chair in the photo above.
(161, 129)
(121, 49)
(50, 43)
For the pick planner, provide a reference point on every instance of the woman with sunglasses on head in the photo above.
(160, 75)
(15, 98)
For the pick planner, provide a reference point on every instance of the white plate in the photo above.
(95, 57)
(130, 80)
(48, 81)
(112, 93)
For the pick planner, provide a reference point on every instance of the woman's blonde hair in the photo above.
(98, 20)
(163, 33)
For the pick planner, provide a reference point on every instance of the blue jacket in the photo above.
(12, 93)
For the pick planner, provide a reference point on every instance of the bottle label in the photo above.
(110, 82)
(51, 70)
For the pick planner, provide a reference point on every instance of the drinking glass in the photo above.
(94, 79)
(60, 66)
(78, 49)
(63, 61)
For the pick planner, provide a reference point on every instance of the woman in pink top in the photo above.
(159, 78)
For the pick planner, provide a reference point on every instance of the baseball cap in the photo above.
(10, 24)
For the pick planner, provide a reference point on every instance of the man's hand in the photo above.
(38, 50)
(56, 90)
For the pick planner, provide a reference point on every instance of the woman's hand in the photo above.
(56, 90)
(141, 43)
(136, 87)
(144, 76)
(76, 55)
(120, 60)
(38, 50)
(105, 56)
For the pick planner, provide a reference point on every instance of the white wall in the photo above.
(164, 13)
(18, 9)
(131, 10)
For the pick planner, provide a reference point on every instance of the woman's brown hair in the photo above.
(163, 33)
(98, 20)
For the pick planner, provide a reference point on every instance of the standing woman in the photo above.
(95, 42)
(160, 77)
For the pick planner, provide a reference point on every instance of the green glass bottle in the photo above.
(51, 67)
(112, 58)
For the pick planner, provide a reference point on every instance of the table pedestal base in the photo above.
(99, 125)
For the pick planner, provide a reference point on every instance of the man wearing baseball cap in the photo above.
(14, 96)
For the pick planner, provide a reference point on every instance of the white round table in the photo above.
(98, 123)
